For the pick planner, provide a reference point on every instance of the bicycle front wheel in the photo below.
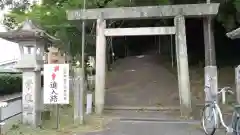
(209, 120)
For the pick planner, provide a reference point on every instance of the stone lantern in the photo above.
(235, 34)
(32, 41)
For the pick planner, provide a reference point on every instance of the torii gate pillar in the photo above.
(100, 66)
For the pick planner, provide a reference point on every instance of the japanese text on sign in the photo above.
(56, 84)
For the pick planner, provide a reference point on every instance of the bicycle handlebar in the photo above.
(226, 89)
(222, 91)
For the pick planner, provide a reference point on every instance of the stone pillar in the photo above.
(182, 66)
(210, 70)
(100, 66)
(30, 65)
(211, 85)
(237, 81)
(78, 95)
(30, 97)
(210, 58)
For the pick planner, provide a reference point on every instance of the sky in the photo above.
(8, 50)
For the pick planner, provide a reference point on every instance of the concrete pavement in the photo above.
(150, 123)
(118, 127)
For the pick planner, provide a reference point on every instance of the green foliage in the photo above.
(229, 14)
(10, 83)
(51, 15)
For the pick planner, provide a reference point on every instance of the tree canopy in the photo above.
(51, 15)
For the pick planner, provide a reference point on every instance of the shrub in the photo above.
(10, 83)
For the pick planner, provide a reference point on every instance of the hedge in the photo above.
(10, 83)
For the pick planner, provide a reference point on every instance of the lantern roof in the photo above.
(28, 30)
(235, 34)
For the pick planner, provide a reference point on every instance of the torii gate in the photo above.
(178, 12)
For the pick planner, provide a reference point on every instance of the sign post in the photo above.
(56, 86)
(237, 81)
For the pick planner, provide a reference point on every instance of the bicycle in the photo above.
(214, 110)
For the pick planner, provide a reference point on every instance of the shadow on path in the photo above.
(141, 81)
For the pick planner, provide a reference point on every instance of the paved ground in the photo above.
(141, 81)
(151, 128)
(150, 123)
